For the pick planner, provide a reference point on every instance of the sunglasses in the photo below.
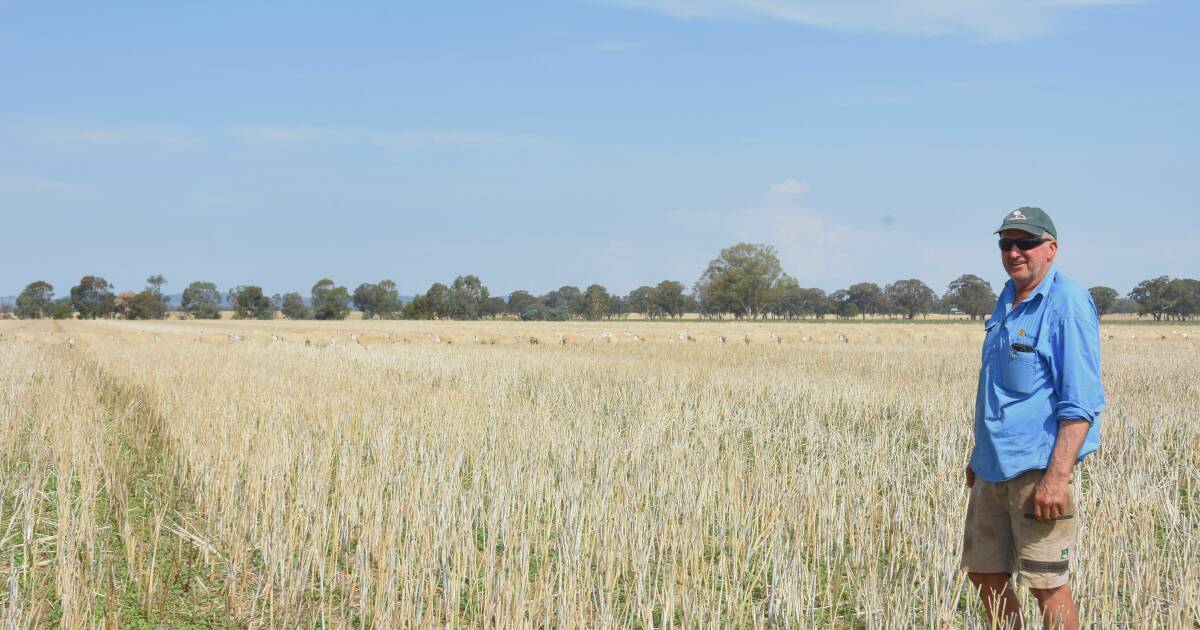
(1024, 244)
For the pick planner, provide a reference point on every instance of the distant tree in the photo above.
(597, 303)
(1125, 306)
(93, 297)
(35, 301)
(293, 307)
(420, 308)
(869, 298)
(438, 300)
(1105, 299)
(141, 305)
(847, 310)
(201, 300)
(556, 313)
(387, 300)
(669, 299)
(739, 280)
(330, 301)
(154, 284)
(971, 295)
(520, 301)
(466, 298)
(6, 310)
(567, 298)
(910, 297)
(494, 307)
(62, 309)
(814, 302)
(786, 298)
(641, 300)
(1151, 297)
(1183, 298)
(364, 299)
(249, 303)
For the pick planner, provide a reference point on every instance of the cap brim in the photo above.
(1024, 227)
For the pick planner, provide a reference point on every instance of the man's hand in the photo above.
(1050, 497)
(970, 477)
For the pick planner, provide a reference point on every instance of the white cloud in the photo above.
(790, 186)
(995, 20)
(820, 250)
(618, 46)
(165, 138)
(410, 139)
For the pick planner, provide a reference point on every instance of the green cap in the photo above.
(1032, 220)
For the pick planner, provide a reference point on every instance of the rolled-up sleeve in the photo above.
(1076, 348)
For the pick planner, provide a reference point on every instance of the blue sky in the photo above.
(623, 142)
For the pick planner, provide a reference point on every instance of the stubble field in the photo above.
(604, 475)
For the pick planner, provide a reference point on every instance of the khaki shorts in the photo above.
(1002, 536)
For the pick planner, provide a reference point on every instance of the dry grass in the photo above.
(457, 474)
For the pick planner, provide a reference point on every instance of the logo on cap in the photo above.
(1017, 216)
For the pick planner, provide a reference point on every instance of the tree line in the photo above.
(745, 281)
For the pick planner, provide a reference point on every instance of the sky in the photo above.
(621, 142)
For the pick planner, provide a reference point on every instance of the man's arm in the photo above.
(1050, 496)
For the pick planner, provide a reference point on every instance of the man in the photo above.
(1036, 414)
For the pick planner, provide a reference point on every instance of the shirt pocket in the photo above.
(1020, 371)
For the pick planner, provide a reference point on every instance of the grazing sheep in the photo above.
(804, 339)
(274, 338)
(70, 342)
(775, 338)
(307, 343)
(235, 338)
(746, 338)
(354, 338)
(720, 338)
(842, 338)
(534, 341)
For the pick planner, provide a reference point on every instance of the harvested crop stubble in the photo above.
(636, 485)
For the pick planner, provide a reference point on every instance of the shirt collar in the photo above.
(1042, 289)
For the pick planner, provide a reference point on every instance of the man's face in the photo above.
(1026, 266)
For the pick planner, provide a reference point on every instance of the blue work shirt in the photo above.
(1041, 364)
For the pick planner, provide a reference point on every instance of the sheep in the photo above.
(775, 338)
(307, 343)
(354, 338)
(274, 338)
(70, 342)
(720, 338)
(842, 338)
(234, 338)
(746, 338)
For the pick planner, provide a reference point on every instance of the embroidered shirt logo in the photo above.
(1017, 216)
(1065, 553)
